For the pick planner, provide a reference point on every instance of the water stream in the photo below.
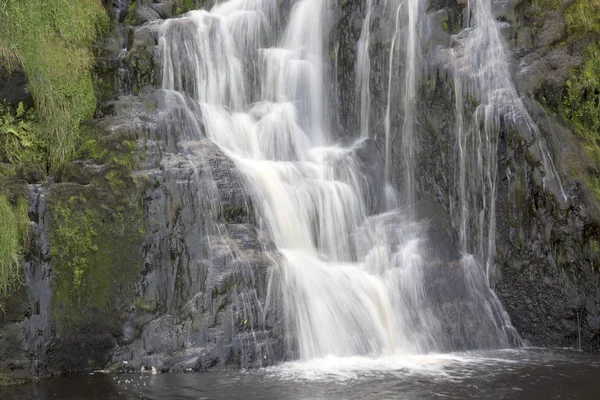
(253, 77)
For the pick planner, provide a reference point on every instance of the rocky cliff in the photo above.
(546, 261)
(145, 251)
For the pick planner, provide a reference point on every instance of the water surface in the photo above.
(506, 374)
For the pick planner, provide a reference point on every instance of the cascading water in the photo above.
(352, 273)
(409, 101)
(481, 72)
(340, 293)
(406, 16)
(363, 72)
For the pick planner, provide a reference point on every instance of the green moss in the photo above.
(583, 17)
(183, 6)
(130, 13)
(445, 26)
(9, 380)
(52, 41)
(95, 243)
(75, 231)
(545, 4)
(147, 306)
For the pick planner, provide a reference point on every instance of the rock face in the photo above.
(546, 269)
(146, 252)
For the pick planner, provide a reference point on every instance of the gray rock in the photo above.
(143, 14)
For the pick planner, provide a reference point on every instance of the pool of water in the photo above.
(504, 374)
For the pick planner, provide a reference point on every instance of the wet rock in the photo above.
(542, 243)
(372, 165)
(141, 58)
(441, 246)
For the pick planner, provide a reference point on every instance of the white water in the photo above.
(482, 72)
(404, 59)
(353, 283)
(363, 72)
(409, 102)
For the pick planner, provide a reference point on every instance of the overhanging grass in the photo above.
(52, 40)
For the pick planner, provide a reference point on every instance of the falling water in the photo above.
(363, 71)
(410, 98)
(481, 72)
(352, 273)
(388, 108)
(404, 58)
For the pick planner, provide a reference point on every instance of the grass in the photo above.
(581, 101)
(13, 233)
(52, 41)
(583, 16)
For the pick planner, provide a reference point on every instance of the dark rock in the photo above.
(13, 87)
(441, 246)
(372, 165)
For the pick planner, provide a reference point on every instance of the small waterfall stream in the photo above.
(253, 77)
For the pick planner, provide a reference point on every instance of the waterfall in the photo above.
(404, 59)
(409, 100)
(481, 72)
(363, 72)
(252, 77)
(388, 108)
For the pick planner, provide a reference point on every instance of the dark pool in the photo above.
(507, 374)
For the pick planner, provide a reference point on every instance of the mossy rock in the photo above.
(10, 379)
(95, 236)
(140, 59)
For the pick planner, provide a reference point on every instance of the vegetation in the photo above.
(75, 231)
(581, 103)
(93, 244)
(13, 233)
(19, 145)
(52, 41)
(183, 6)
(582, 17)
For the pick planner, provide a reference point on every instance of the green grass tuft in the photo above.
(52, 41)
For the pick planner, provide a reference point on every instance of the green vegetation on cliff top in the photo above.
(52, 41)
(581, 104)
